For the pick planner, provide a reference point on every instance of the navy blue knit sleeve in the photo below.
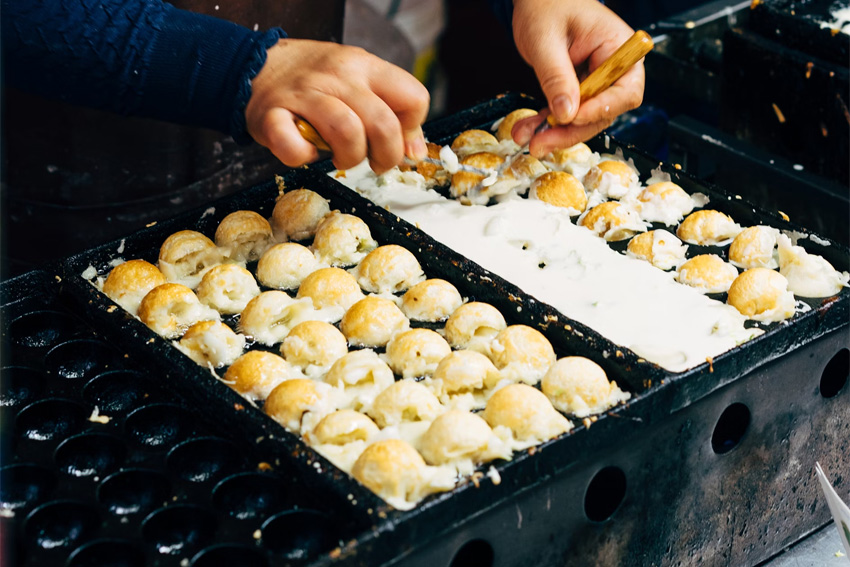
(135, 57)
(504, 11)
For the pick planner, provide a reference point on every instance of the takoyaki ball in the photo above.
(755, 247)
(245, 235)
(186, 256)
(392, 469)
(404, 401)
(564, 158)
(342, 427)
(474, 325)
(762, 294)
(808, 275)
(417, 352)
(360, 368)
(373, 322)
(708, 227)
(614, 179)
(227, 288)
(211, 344)
(431, 300)
(522, 354)
(526, 168)
(503, 132)
(290, 400)
(560, 189)
(285, 265)
(313, 346)
(169, 309)
(256, 373)
(474, 141)
(465, 372)
(578, 386)
(342, 240)
(527, 413)
(461, 439)
(708, 273)
(664, 202)
(270, 316)
(297, 214)
(331, 289)
(433, 173)
(658, 247)
(129, 282)
(612, 221)
(388, 269)
(463, 181)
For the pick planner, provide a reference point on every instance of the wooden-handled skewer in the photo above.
(311, 134)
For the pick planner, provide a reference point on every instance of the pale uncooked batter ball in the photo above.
(285, 265)
(404, 401)
(297, 213)
(185, 257)
(755, 247)
(227, 288)
(762, 294)
(417, 352)
(708, 273)
(211, 343)
(169, 309)
(244, 235)
(658, 247)
(522, 354)
(664, 202)
(809, 275)
(373, 322)
(388, 269)
(578, 386)
(342, 240)
(431, 300)
(527, 413)
(256, 373)
(129, 282)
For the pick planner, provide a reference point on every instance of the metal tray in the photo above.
(675, 475)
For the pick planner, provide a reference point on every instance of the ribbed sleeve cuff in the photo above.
(200, 69)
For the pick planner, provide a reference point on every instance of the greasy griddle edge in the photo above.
(657, 392)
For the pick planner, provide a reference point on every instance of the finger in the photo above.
(409, 100)
(382, 128)
(564, 137)
(557, 77)
(280, 135)
(624, 95)
(524, 128)
(338, 124)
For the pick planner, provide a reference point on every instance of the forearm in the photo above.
(134, 57)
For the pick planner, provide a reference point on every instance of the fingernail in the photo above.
(562, 107)
(416, 148)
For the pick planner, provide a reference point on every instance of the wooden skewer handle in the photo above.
(311, 134)
(633, 50)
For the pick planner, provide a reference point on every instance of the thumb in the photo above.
(558, 79)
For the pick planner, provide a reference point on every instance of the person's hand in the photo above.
(362, 105)
(555, 37)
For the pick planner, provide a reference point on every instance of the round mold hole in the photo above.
(835, 374)
(159, 425)
(107, 553)
(42, 329)
(298, 534)
(63, 523)
(89, 454)
(730, 428)
(475, 553)
(133, 491)
(605, 493)
(249, 495)
(205, 459)
(232, 555)
(116, 392)
(81, 358)
(21, 385)
(51, 419)
(23, 484)
(179, 529)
